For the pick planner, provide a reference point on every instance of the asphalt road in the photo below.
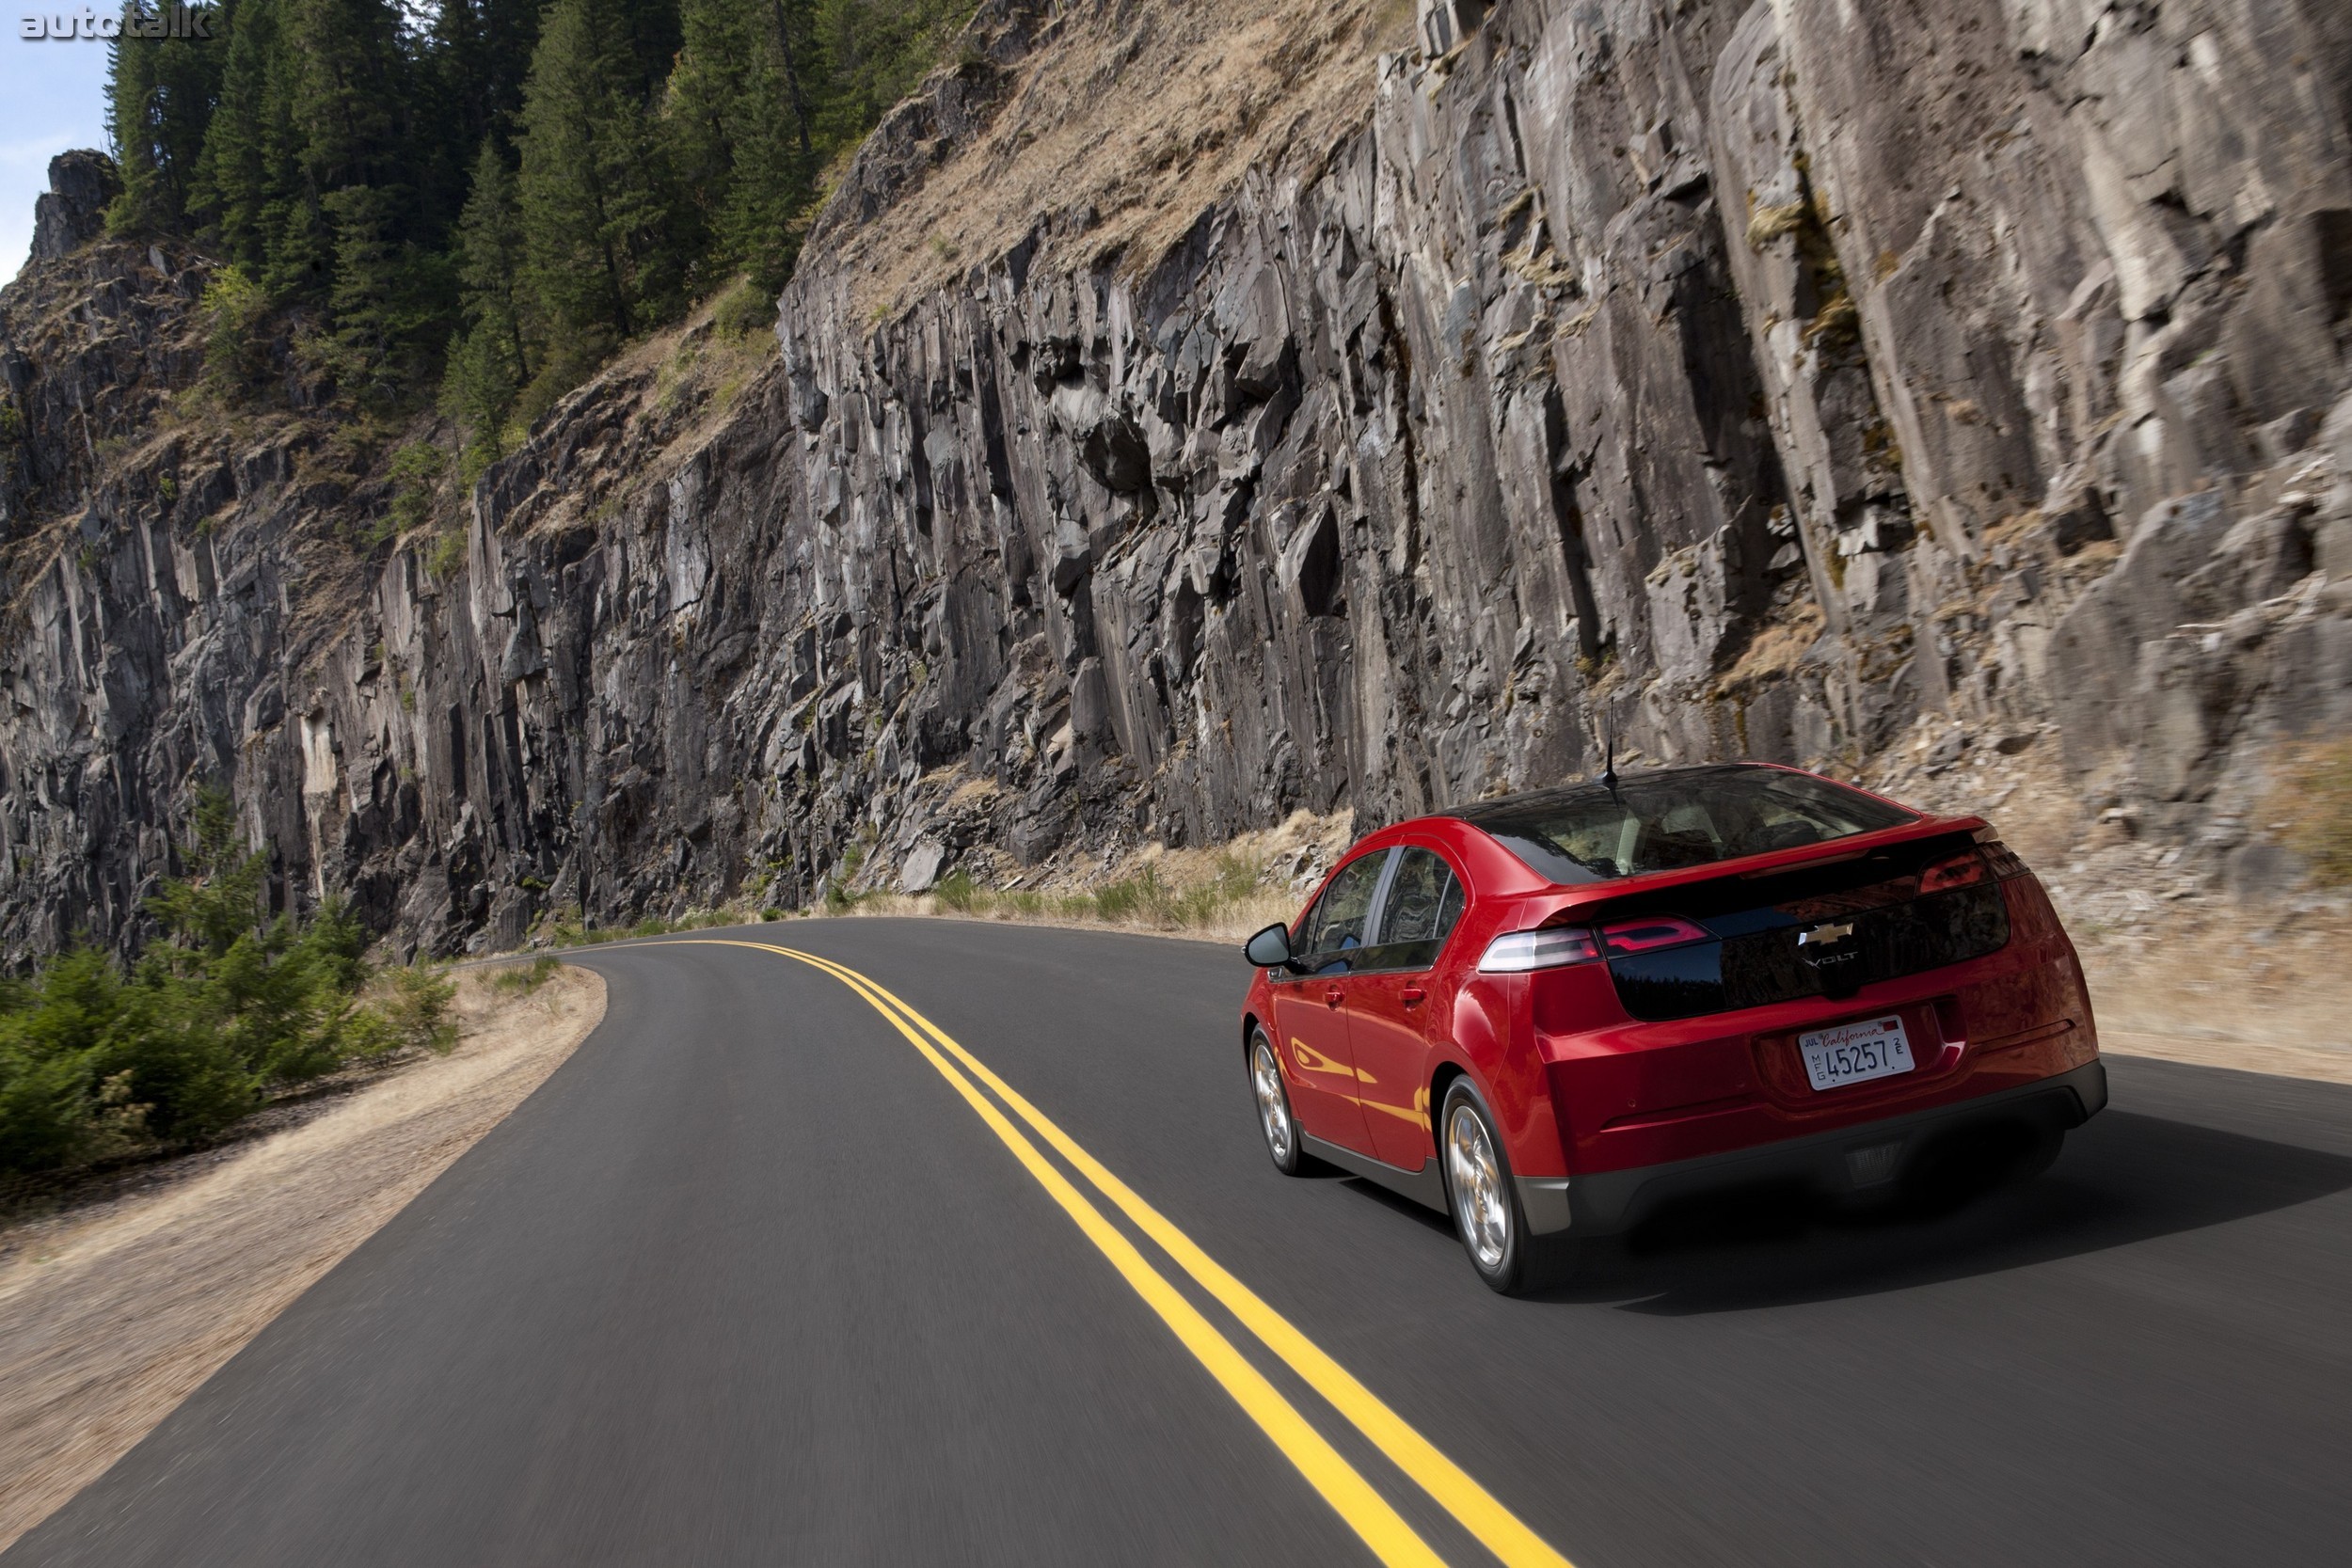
(750, 1281)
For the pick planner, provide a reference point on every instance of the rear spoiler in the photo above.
(1762, 879)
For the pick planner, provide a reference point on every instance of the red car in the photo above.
(1550, 1013)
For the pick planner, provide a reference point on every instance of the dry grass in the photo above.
(1222, 892)
(2177, 968)
(2264, 990)
(1143, 115)
(111, 1313)
(2313, 801)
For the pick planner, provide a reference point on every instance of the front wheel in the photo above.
(1485, 1201)
(1274, 1106)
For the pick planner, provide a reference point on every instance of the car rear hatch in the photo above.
(1823, 927)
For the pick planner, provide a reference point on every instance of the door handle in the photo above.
(1331, 998)
(1411, 994)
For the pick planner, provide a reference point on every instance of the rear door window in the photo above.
(1332, 934)
(1424, 900)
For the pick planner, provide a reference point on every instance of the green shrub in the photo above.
(45, 1109)
(415, 1007)
(958, 891)
(525, 978)
(415, 472)
(1140, 897)
(744, 310)
(236, 346)
(95, 1061)
(170, 1047)
(441, 562)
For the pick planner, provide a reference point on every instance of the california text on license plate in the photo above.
(1853, 1052)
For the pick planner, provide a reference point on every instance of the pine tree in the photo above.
(491, 193)
(235, 183)
(600, 230)
(480, 58)
(349, 92)
(161, 94)
(492, 360)
(740, 131)
(343, 83)
(390, 299)
(876, 53)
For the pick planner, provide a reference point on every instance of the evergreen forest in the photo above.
(478, 201)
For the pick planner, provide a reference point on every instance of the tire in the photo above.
(1275, 1123)
(1484, 1201)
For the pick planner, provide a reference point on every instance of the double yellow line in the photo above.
(1326, 1469)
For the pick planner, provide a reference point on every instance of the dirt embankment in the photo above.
(111, 1313)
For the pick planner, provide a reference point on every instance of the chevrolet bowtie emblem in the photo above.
(1821, 936)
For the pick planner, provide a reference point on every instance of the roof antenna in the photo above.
(1609, 764)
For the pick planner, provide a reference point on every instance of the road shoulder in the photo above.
(111, 1315)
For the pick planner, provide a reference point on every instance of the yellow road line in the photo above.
(1368, 1513)
(1498, 1529)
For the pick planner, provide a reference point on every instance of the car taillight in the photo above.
(1999, 856)
(1965, 869)
(1547, 948)
(1652, 933)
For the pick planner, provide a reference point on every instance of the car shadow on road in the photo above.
(2125, 1178)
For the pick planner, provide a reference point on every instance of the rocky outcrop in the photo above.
(1740, 379)
(72, 212)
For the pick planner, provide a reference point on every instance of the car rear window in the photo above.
(1675, 818)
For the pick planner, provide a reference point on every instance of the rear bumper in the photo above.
(1847, 1160)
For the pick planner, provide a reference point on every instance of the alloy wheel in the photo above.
(1274, 1109)
(1475, 1176)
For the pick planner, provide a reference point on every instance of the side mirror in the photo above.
(1270, 948)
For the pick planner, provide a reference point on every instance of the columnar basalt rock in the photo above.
(1737, 379)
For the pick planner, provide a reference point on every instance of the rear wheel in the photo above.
(1485, 1201)
(1275, 1120)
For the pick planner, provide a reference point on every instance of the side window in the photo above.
(1424, 900)
(1335, 926)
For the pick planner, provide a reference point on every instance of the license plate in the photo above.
(1856, 1052)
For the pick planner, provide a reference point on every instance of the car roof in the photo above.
(1502, 807)
(1493, 870)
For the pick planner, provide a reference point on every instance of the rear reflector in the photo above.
(1548, 948)
(1652, 933)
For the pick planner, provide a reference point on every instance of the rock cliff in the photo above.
(1189, 412)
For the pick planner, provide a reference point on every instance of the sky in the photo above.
(52, 96)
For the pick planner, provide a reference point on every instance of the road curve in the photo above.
(762, 1276)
